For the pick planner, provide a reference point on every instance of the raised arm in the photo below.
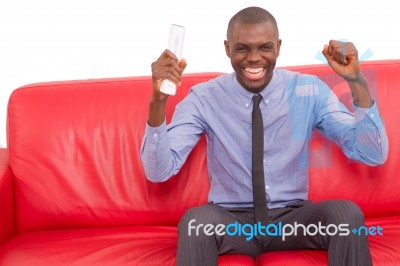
(164, 150)
(361, 136)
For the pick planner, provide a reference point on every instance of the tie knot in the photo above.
(257, 99)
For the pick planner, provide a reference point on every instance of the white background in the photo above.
(50, 40)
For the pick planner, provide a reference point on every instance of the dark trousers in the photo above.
(198, 245)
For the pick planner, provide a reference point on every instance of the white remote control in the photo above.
(175, 45)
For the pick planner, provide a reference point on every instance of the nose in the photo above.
(254, 56)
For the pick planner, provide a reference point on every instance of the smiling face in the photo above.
(253, 49)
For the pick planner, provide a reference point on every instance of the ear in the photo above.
(226, 43)
(279, 46)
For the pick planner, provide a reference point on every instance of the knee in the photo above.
(344, 211)
(196, 216)
(189, 217)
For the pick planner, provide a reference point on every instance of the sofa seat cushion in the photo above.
(136, 245)
(156, 245)
(139, 245)
(385, 249)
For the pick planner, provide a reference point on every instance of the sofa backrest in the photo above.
(74, 152)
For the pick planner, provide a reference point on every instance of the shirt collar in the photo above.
(246, 97)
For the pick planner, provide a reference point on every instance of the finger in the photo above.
(339, 51)
(334, 50)
(325, 52)
(182, 65)
(170, 56)
(328, 52)
(177, 68)
(164, 64)
(351, 52)
(173, 72)
(170, 74)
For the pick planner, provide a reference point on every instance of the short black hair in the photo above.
(252, 15)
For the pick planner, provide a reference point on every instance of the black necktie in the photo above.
(259, 196)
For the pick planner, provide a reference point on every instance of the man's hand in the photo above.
(165, 67)
(343, 59)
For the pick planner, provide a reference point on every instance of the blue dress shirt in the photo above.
(293, 106)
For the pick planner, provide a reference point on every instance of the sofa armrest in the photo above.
(6, 198)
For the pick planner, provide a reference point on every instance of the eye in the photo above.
(241, 49)
(267, 47)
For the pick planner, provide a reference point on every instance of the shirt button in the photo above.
(266, 187)
(264, 160)
(155, 135)
(372, 115)
(247, 105)
(267, 101)
(379, 140)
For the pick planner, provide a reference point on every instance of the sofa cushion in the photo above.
(106, 246)
(156, 245)
(136, 245)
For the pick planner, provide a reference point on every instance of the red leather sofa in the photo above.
(73, 191)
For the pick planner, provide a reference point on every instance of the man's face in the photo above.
(253, 50)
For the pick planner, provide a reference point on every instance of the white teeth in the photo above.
(253, 70)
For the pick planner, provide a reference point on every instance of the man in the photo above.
(292, 105)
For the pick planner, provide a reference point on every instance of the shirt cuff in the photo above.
(369, 115)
